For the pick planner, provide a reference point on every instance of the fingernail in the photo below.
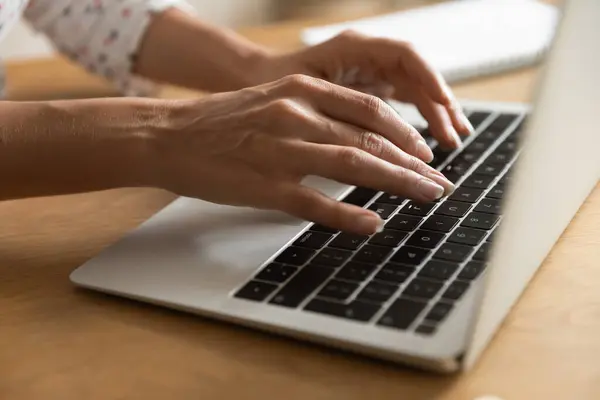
(455, 137)
(431, 189)
(370, 223)
(379, 225)
(424, 152)
(467, 124)
(441, 180)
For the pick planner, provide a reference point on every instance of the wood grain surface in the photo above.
(59, 342)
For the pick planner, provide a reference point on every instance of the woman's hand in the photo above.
(253, 147)
(384, 68)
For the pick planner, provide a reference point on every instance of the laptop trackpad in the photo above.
(193, 244)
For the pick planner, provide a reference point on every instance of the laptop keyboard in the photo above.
(410, 276)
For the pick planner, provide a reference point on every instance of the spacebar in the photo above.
(301, 285)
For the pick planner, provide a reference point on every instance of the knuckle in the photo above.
(374, 106)
(351, 157)
(351, 34)
(413, 136)
(402, 174)
(296, 82)
(372, 143)
(283, 108)
(416, 165)
(409, 47)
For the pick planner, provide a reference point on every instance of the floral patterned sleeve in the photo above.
(101, 35)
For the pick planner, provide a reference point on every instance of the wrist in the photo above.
(115, 142)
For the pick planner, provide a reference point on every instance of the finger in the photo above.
(311, 205)
(326, 131)
(357, 167)
(429, 79)
(439, 122)
(381, 90)
(359, 109)
(459, 119)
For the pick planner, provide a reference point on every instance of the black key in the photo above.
(372, 254)
(403, 222)
(471, 271)
(452, 176)
(453, 252)
(438, 312)
(377, 292)
(422, 288)
(254, 290)
(477, 117)
(456, 167)
(332, 257)
(440, 155)
(479, 145)
(469, 157)
(306, 281)
(276, 273)
(488, 136)
(402, 313)
(467, 195)
(410, 255)
(295, 255)
(425, 239)
(505, 178)
(453, 208)
(388, 237)
(456, 290)
(497, 192)
(355, 271)
(509, 146)
(480, 221)
(438, 270)
(500, 124)
(490, 206)
(468, 236)
(349, 241)
(338, 290)
(394, 273)
(360, 196)
(425, 329)
(322, 228)
(440, 223)
(313, 240)
(417, 208)
(357, 310)
(482, 253)
(499, 157)
(489, 169)
(390, 199)
(478, 181)
(383, 210)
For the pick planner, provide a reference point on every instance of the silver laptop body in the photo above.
(446, 299)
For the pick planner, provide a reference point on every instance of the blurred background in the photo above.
(23, 43)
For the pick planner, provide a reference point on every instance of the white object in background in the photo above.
(463, 39)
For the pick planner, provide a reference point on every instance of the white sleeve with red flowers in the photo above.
(101, 35)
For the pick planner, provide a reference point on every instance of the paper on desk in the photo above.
(466, 38)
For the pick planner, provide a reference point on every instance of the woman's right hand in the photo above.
(253, 147)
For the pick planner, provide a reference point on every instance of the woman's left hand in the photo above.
(381, 67)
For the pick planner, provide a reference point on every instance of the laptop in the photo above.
(431, 290)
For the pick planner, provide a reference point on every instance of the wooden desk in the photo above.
(58, 342)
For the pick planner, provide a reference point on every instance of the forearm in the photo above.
(63, 147)
(182, 50)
